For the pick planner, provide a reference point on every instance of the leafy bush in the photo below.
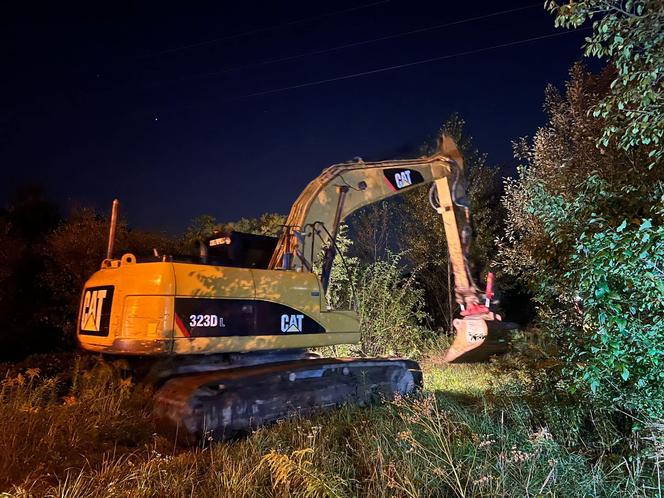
(630, 36)
(341, 287)
(583, 231)
(620, 275)
(391, 309)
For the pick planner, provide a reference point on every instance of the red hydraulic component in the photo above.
(475, 309)
(479, 309)
(489, 289)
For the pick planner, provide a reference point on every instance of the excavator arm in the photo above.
(341, 189)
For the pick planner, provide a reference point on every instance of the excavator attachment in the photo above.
(225, 404)
(478, 338)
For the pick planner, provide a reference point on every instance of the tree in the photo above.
(206, 225)
(265, 224)
(199, 228)
(75, 250)
(630, 36)
(31, 214)
(583, 232)
(373, 227)
(29, 218)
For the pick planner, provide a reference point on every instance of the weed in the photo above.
(87, 433)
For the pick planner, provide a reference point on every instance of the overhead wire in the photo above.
(264, 29)
(407, 64)
(362, 42)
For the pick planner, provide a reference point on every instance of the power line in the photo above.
(362, 42)
(265, 29)
(405, 65)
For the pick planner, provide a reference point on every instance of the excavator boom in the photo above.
(344, 188)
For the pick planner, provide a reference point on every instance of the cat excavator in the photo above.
(228, 335)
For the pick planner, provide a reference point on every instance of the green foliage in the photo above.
(630, 36)
(199, 228)
(391, 309)
(579, 220)
(265, 224)
(374, 229)
(620, 280)
(343, 274)
(206, 225)
(390, 305)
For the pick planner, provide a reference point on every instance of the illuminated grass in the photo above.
(90, 435)
(469, 380)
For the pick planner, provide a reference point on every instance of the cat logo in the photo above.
(95, 312)
(291, 323)
(401, 178)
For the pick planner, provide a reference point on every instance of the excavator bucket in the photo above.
(477, 339)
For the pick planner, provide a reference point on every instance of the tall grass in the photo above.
(88, 433)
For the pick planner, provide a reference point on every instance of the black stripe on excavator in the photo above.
(200, 317)
(400, 178)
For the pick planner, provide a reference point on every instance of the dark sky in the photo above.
(156, 103)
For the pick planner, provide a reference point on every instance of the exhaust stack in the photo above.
(111, 231)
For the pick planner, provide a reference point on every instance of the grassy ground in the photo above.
(87, 432)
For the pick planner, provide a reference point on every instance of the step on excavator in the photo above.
(227, 335)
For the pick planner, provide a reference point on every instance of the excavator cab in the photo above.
(237, 249)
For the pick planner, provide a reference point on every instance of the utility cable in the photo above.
(265, 29)
(407, 64)
(360, 43)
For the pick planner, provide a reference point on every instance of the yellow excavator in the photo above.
(228, 335)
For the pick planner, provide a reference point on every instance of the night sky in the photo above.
(180, 109)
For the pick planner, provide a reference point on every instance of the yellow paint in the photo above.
(213, 281)
(152, 330)
(143, 308)
(448, 213)
(143, 318)
(295, 289)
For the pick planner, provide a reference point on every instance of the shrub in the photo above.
(391, 309)
(583, 233)
(620, 275)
